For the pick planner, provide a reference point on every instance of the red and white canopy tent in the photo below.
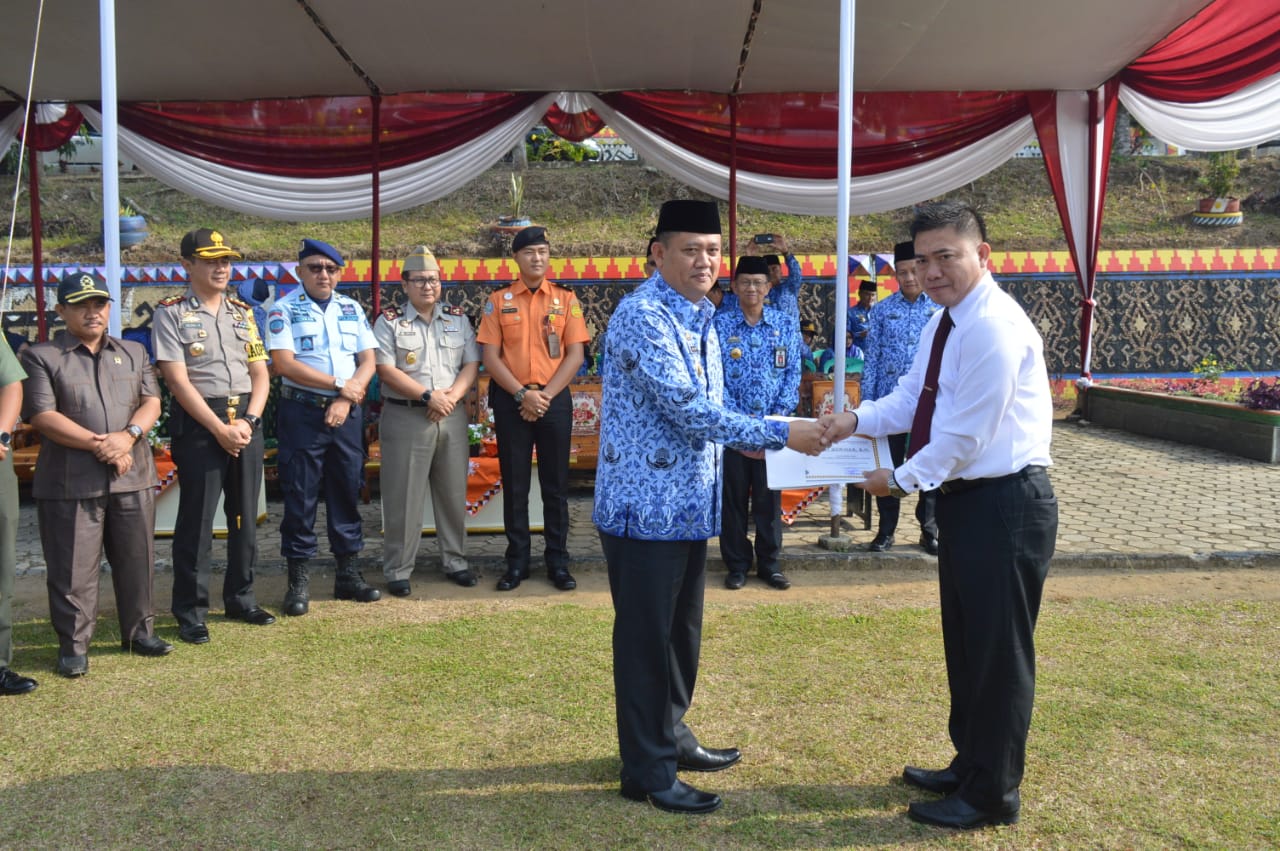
(324, 110)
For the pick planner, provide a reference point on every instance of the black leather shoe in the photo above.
(775, 579)
(944, 781)
(734, 581)
(880, 543)
(257, 616)
(149, 646)
(708, 759)
(196, 633)
(562, 579)
(399, 588)
(512, 579)
(464, 577)
(929, 543)
(680, 798)
(11, 682)
(73, 666)
(954, 812)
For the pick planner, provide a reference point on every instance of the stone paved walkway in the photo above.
(1126, 501)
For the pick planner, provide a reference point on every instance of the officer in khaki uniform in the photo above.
(11, 375)
(427, 361)
(92, 397)
(533, 338)
(211, 356)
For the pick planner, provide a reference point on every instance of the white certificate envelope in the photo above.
(845, 461)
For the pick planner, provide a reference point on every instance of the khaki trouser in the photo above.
(417, 454)
(74, 534)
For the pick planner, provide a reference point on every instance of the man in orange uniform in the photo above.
(533, 337)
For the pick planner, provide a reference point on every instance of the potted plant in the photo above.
(515, 220)
(1219, 208)
(133, 227)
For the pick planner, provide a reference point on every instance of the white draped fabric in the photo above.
(328, 199)
(1242, 119)
(870, 194)
(9, 127)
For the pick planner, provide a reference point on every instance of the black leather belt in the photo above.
(535, 386)
(962, 485)
(315, 400)
(408, 403)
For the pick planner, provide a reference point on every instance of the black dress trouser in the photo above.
(657, 589)
(889, 507)
(517, 437)
(995, 545)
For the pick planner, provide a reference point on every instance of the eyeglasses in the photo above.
(752, 285)
(423, 282)
(326, 268)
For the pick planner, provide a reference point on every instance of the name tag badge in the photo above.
(780, 357)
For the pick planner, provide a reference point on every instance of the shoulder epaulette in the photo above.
(244, 305)
(392, 313)
(453, 310)
(173, 299)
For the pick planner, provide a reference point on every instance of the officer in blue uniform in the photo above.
(858, 319)
(657, 501)
(896, 324)
(324, 351)
(761, 355)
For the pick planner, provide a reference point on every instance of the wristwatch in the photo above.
(520, 394)
(895, 490)
(6, 439)
(254, 421)
(134, 431)
(339, 383)
(426, 397)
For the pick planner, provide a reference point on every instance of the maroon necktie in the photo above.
(922, 423)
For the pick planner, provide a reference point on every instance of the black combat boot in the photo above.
(348, 584)
(298, 598)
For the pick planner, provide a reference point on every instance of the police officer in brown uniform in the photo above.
(211, 356)
(427, 361)
(533, 337)
(92, 397)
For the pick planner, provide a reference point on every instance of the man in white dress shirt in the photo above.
(981, 419)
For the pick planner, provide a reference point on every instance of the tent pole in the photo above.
(844, 169)
(37, 251)
(1096, 118)
(375, 277)
(110, 161)
(733, 184)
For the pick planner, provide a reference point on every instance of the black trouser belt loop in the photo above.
(962, 485)
(316, 400)
(408, 403)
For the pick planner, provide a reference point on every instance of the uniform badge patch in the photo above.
(276, 325)
(196, 349)
(307, 344)
(411, 358)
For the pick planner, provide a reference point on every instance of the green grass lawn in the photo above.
(490, 725)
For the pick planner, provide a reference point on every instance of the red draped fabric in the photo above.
(1227, 46)
(46, 137)
(574, 126)
(795, 134)
(321, 137)
(1101, 121)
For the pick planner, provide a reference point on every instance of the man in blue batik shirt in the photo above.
(896, 324)
(658, 500)
(784, 293)
(761, 352)
(858, 319)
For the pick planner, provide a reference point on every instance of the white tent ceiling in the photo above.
(243, 49)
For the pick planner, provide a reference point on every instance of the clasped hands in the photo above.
(352, 393)
(534, 405)
(116, 449)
